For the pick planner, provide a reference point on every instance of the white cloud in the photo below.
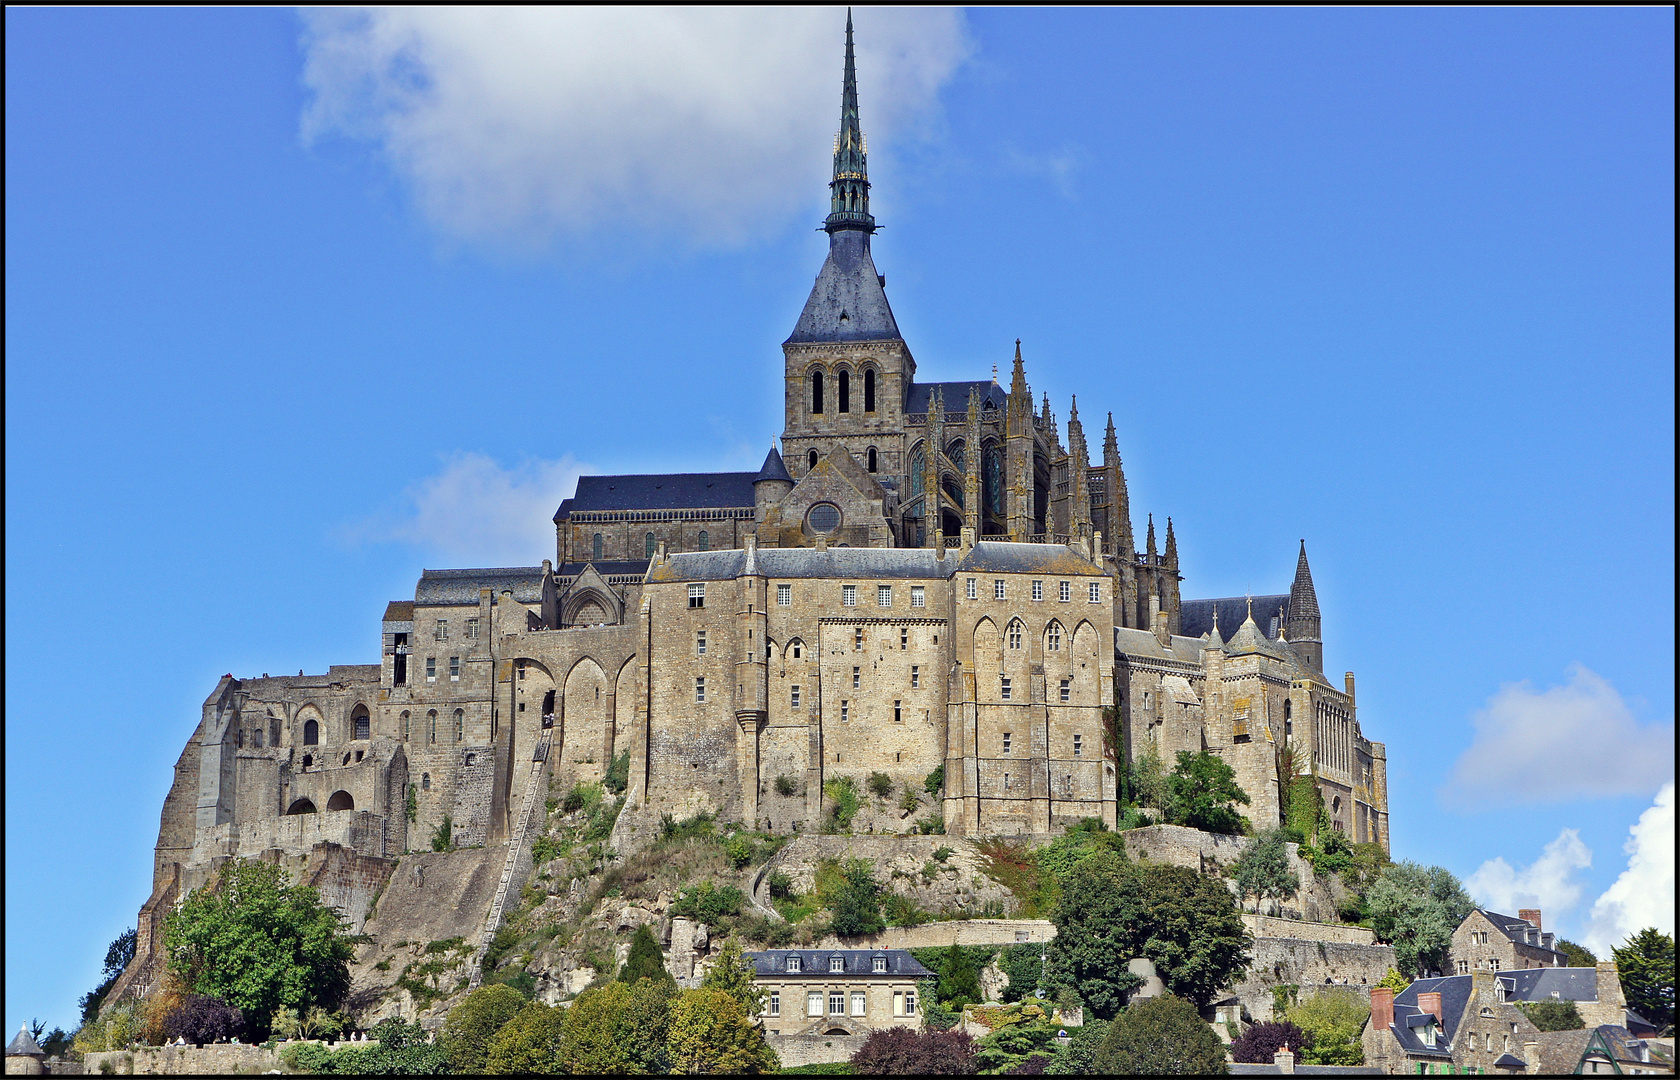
(1548, 883)
(478, 513)
(1566, 742)
(515, 124)
(1644, 893)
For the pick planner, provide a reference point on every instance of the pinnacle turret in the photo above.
(849, 190)
(1304, 626)
(1151, 548)
(1171, 554)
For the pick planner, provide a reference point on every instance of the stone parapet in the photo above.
(814, 1049)
(215, 1060)
(1264, 926)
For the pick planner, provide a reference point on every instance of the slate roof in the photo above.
(1134, 642)
(773, 468)
(849, 300)
(660, 491)
(1539, 984)
(804, 563)
(24, 1045)
(399, 611)
(1001, 557)
(1195, 617)
(1510, 1061)
(955, 395)
(900, 964)
(614, 568)
(439, 588)
(1516, 929)
(1248, 640)
(1455, 995)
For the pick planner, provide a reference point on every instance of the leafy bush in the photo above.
(1024, 964)
(1010, 1048)
(857, 904)
(903, 911)
(1394, 981)
(1204, 793)
(739, 849)
(443, 837)
(200, 1019)
(842, 795)
(1133, 818)
(1553, 1015)
(902, 1052)
(786, 787)
(931, 824)
(709, 904)
(941, 854)
(471, 1025)
(781, 886)
(702, 825)
(543, 849)
(1079, 1056)
(908, 800)
(573, 802)
(1332, 1021)
(880, 784)
(399, 1049)
(618, 773)
(1161, 1036)
(1263, 871)
(645, 961)
(935, 782)
(1261, 1042)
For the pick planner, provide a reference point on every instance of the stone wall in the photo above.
(814, 1049)
(1213, 852)
(959, 881)
(1311, 966)
(347, 881)
(1264, 926)
(954, 932)
(215, 1060)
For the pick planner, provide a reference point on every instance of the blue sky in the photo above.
(296, 308)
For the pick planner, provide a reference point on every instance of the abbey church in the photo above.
(923, 578)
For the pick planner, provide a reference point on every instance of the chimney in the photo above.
(1610, 988)
(1349, 678)
(1158, 625)
(1284, 1060)
(1430, 1002)
(1382, 1008)
(1481, 986)
(1531, 1056)
(1530, 915)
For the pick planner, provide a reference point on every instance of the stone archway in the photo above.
(341, 800)
(301, 806)
(583, 722)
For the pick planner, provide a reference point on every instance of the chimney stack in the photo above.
(1531, 1056)
(1430, 1002)
(1382, 1008)
(1158, 626)
(1285, 1061)
(1350, 685)
(1530, 915)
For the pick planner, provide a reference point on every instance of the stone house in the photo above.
(1486, 940)
(1607, 1049)
(839, 991)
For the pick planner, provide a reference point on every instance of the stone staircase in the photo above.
(516, 846)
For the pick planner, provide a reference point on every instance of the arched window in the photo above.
(311, 733)
(869, 391)
(811, 461)
(1053, 637)
(872, 461)
(595, 548)
(431, 725)
(405, 724)
(647, 542)
(816, 392)
(991, 479)
(796, 648)
(845, 388)
(425, 781)
(362, 723)
(705, 540)
(918, 467)
(460, 724)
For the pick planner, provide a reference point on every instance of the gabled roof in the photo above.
(1515, 929)
(1455, 995)
(399, 611)
(1131, 641)
(1248, 640)
(661, 491)
(955, 395)
(457, 588)
(855, 962)
(1539, 984)
(1001, 557)
(1195, 617)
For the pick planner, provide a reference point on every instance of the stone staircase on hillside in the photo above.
(516, 845)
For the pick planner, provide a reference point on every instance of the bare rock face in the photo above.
(955, 880)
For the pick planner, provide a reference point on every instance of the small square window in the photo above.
(903, 637)
(1038, 590)
(973, 589)
(784, 596)
(700, 643)
(1078, 745)
(836, 963)
(472, 629)
(857, 678)
(918, 596)
(454, 669)
(700, 689)
(845, 711)
(883, 596)
(848, 596)
(1006, 740)
(697, 595)
(998, 592)
(431, 669)
(915, 676)
(1066, 592)
(1067, 692)
(795, 698)
(1096, 592)
(857, 639)
(793, 963)
(1005, 690)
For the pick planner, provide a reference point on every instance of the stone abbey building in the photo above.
(922, 575)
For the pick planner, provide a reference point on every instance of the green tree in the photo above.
(935, 781)
(857, 907)
(646, 1026)
(1416, 909)
(645, 961)
(1079, 1056)
(1553, 1015)
(1334, 1019)
(1263, 870)
(593, 1024)
(618, 773)
(1577, 955)
(1162, 1036)
(1645, 963)
(734, 974)
(531, 1042)
(1095, 932)
(473, 1023)
(259, 944)
(959, 983)
(1024, 964)
(711, 1034)
(118, 955)
(1013, 1044)
(1149, 784)
(1394, 981)
(1191, 928)
(1204, 793)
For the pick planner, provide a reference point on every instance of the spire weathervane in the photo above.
(849, 190)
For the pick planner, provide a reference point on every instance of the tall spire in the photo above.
(1151, 538)
(1018, 381)
(849, 190)
(1305, 627)
(1171, 554)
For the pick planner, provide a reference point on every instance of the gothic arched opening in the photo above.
(361, 722)
(341, 800)
(311, 733)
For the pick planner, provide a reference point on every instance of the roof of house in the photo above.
(1510, 1061)
(1000, 557)
(458, 588)
(1562, 1051)
(955, 395)
(606, 568)
(1271, 613)
(1408, 1018)
(1541, 984)
(660, 491)
(1134, 642)
(848, 302)
(1515, 929)
(24, 1045)
(855, 962)
(400, 611)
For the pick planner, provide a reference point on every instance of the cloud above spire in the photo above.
(514, 127)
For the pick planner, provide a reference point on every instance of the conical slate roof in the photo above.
(773, 469)
(24, 1045)
(1303, 600)
(1248, 639)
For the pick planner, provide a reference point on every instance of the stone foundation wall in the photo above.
(217, 1060)
(1264, 926)
(955, 932)
(1312, 967)
(347, 881)
(814, 1049)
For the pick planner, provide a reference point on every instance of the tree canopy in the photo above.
(902, 1052)
(1259, 1044)
(1189, 925)
(1093, 936)
(1163, 1036)
(1204, 793)
(857, 903)
(646, 960)
(959, 982)
(473, 1023)
(259, 944)
(1645, 963)
(1577, 955)
(531, 1042)
(1333, 1021)
(711, 1034)
(118, 955)
(733, 973)
(1263, 870)
(1553, 1015)
(1416, 909)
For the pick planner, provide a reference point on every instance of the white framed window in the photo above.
(918, 596)
(837, 963)
(441, 631)
(1038, 590)
(859, 1001)
(1007, 738)
(813, 1003)
(700, 689)
(909, 1003)
(999, 592)
(973, 589)
(1078, 745)
(784, 596)
(431, 669)
(883, 596)
(472, 629)
(697, 595)
(845, 711)
(775, 1005)
(454, 669)
(1053, 637)
(700, 643)
(1096, 592)
(903, 637)
(1067, 692)
(848, 596)
(879, 965)
(1004, 688)
(793, 963)
(898, 712)
(837, 1003)
(857, 678)
(1066, 592)
(915, 676)
(1015, 634)
(794, 703)
(857, 639)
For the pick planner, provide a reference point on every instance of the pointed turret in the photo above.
(1151, 548)
(1119, 503)
(1214, 641)
(1305, 627)
(772, 483)
(1171, 554)
(1018, 455)
(1018, 381)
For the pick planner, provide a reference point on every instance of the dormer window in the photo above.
(793, 963)
(837, 963)
(880, 965)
